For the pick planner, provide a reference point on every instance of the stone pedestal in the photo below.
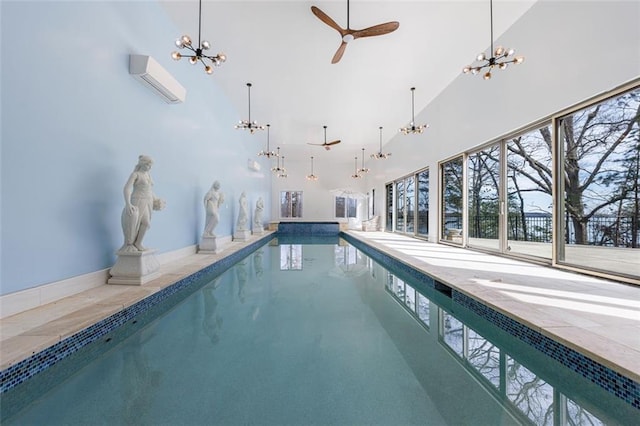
(258, 231)
(243, 235)
(135, 268)
(209, 245)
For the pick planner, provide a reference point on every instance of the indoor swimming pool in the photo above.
(315, 331)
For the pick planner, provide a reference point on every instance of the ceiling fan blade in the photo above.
(377, 30)
(339, 53)
(332, 143)
(327, 20)
(316, 144)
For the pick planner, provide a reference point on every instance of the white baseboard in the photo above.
(20, 301)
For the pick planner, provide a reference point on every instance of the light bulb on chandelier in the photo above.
(198, 54)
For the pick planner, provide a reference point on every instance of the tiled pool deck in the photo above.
(597, 318)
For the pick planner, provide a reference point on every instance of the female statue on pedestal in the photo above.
(212, 202)
(257, 216)
(139, 203)
(243, 214)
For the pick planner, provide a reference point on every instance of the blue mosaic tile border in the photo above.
(613, 382)
(37, 363)
(308, 228)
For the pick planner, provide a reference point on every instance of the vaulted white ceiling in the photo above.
(285, 52)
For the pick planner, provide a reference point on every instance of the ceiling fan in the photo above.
(348, 34)
(326, 145)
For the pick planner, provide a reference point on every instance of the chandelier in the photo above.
(380, 155)
(356, 175)
(362, 169)
(252, 126)
(412, 128)
(312, 176)
(283, 172)
(502, 56)
(279, 169)
(184, 42)
(267, 153)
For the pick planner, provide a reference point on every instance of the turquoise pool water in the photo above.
(310, 334)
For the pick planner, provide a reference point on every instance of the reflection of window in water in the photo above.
(484, 356)
(346, 255)
(452, 333)
(290, 257)
(532, 395)
(422, 309)
(576, 415)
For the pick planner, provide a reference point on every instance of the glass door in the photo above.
(410, 203)
(400, 206)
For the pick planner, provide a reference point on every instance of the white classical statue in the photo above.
(213, 199)
(258, 226)
(139, 203)
(243, 213)
(242, 232)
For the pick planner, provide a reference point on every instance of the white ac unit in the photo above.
(151, 74)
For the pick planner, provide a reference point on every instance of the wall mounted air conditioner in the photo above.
(151, 74)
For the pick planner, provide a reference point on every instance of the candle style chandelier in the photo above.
(412, 128)
(184, 42)
(363, 169)
(283, 172)
(267, 153)
(279, 169)
(380, 155)
(356, 175)
(249, 125)
(312, 177)
(501, 56)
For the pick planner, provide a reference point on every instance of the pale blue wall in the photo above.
(73, 124)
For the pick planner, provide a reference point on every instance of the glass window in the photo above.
(346, 207)
(423, 203)
(341, 206)
(400, 207)
(389, 204)
(451, 209)
(291, 204)
(483, 198)
(410, 203)
(529, 193)
(600, 159)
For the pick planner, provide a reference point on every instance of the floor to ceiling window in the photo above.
(410, 203)
(400, 206)
(598, 162)
(483, 195)
(529, 192)
(389, 207)
(422, 207)
(452, 192)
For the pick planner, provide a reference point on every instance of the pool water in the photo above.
(301, 334)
